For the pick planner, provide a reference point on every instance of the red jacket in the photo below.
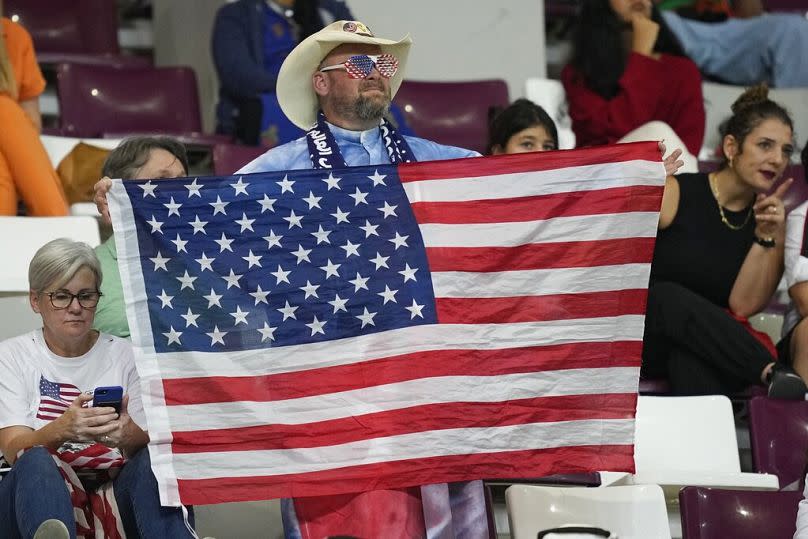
(667, 90)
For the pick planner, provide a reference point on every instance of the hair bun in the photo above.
(752, 96)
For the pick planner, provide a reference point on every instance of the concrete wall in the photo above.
(464, 40)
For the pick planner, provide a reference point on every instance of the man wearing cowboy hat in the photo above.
(337, 84)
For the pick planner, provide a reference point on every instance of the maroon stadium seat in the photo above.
(778, 431)
(98, 99)
(453, 113)
(228, 158)
(740, 514)
(68, 26)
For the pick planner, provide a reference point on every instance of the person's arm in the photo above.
(31, 109)
(595, 118)
(76, 424)
(670, 203)
(802, 515)
(763, 266)
(799, 295)
(238, 72)
(796, 259)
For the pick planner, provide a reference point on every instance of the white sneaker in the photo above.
(52, 529)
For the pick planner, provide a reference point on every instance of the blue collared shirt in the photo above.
(358, 148)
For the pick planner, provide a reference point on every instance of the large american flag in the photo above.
(304, 333)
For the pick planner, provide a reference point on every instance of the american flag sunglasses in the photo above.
(360, 65)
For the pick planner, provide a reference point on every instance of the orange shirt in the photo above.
(20, 48)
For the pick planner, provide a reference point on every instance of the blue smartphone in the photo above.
(108, 396)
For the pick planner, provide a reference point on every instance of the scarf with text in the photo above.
(325, 153)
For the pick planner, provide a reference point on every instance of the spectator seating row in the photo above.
(674, 450)
(80, 31)
(638, 512)
(103, 100)
(101, 93)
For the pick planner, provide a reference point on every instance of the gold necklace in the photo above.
(716, 194)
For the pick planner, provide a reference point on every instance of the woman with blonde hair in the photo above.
(25, 169)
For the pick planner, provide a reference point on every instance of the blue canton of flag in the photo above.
(277, 259)
(49, 389)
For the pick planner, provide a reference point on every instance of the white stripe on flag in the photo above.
(397, 342)
(406, 446)
(559, 229)
(584, 178)
(422, 391)
(460, 284)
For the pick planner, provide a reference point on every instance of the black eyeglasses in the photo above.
(61, 299)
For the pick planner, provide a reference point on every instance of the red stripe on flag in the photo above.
(574, 254)
(506, 464)
(430, 417)
(540, 308)
(529, 162)
(393, 369)
(638, 198)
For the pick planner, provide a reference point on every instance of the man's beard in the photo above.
(362, 107)
(371, 109)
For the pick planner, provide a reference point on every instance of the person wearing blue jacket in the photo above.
(251, 39)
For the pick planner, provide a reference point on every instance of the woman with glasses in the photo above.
(72, 462)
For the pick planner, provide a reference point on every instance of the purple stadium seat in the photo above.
(453, 113)
(654, 386)
(228, 158)
(95, 99)
(68, 26)
(786, 5)
(778, 430)
(740, 514)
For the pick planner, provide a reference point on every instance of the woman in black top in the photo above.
(718, 259)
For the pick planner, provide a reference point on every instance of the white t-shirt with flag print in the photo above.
(37, 385)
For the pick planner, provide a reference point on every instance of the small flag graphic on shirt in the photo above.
(306, 332)
(54, 398)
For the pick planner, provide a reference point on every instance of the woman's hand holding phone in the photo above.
(80, 423)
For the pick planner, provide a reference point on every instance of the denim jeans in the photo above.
(139, 503)
(31, 493)
(34, 491)
(770, 47)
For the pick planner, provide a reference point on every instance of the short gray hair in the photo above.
(56, 262)
(131, 154)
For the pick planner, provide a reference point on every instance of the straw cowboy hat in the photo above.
(294, 90)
